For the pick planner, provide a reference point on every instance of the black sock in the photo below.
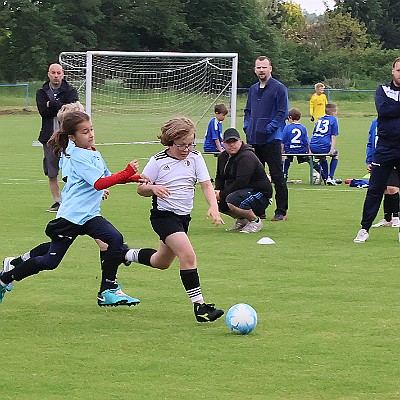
(191, 283)
(390, 205)
(145, 255)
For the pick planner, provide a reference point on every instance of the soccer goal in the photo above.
(133, 93)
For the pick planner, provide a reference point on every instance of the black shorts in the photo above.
(166, 223)
(393, 179)
(300, 159)
(247, 199)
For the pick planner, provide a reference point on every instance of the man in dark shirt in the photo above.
(242, 187)
(49, 99)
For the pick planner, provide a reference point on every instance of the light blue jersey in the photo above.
(80, 200)
(325, 127)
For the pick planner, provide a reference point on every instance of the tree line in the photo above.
(351, 46)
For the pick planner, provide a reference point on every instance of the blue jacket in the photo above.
(372, 138)
(266, 112)
(387, 102)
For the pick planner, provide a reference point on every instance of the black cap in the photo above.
(231, 133)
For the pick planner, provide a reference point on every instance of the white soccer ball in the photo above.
(241, 318)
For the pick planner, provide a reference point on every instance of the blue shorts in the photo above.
(247, 199)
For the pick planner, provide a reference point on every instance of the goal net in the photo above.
(130, 94)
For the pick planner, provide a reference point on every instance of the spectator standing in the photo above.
(264, 119)
(391, 194)
(49, 99)
(213, 138)
(318, 102)
(387, 151)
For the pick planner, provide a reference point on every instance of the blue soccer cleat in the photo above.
(7, 266)
(116, 297)
(3, 289)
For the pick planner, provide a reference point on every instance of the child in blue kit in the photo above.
(295, 141)
(323, 140)
(213, 138)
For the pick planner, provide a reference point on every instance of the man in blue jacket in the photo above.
(264, 119)
(387, 150)
(49, 99)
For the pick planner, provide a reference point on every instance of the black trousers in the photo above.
(63, 233)
(271, 154)
(385, 159)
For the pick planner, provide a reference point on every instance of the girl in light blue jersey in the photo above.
(79, 213)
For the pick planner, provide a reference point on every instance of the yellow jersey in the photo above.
(317, 105)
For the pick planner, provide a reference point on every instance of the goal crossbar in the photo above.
(208, 75)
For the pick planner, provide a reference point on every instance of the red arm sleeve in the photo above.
(123, 176)
(134, 178)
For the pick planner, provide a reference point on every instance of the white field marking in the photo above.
(326, 189)
(38, 144)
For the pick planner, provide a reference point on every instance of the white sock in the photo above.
(132, 255)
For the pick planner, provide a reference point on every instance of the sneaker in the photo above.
(316, 177)
(362, 236)
(279, 217)
(207, 312)
(7, 266)
(395, 222)
(382, 222)
(54, 208)
(116, 297)
(252, 226)
(239, 224)
(330, 181)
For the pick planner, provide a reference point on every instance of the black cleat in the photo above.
(207, 312)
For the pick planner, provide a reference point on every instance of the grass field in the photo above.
(328, 308)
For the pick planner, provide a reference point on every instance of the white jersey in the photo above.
(179, 176)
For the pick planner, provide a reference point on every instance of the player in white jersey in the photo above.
(79, 213)
(174, 173)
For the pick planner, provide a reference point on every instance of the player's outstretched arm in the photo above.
(211, 199)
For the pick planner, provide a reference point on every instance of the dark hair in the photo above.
(59, 140)
(295, 114)
(221, 109)
(175, 129)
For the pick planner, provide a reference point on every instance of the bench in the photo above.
(311, 162)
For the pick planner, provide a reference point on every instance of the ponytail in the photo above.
(58, 142)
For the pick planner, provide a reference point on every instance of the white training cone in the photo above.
(266, 240)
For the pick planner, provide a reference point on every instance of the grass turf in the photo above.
(327, 308)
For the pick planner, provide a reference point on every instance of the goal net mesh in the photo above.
(133, 95)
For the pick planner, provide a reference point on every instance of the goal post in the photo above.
(135, 92)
